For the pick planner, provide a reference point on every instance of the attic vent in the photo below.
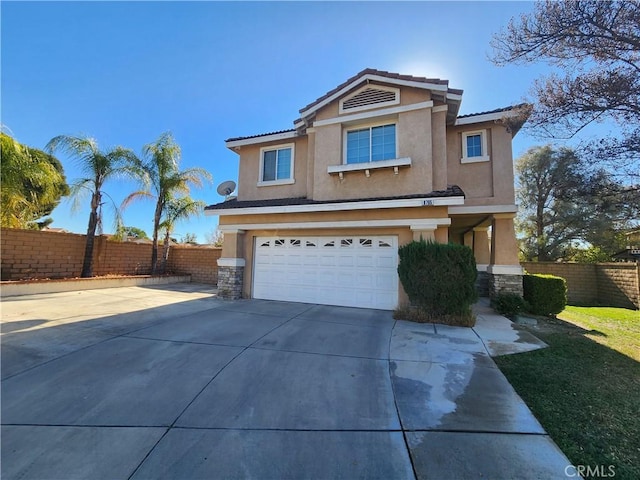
(370, 97)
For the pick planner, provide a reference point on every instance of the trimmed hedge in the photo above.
(546, 294)
(438, 278)
(510, 304)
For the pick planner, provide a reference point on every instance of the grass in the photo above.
(616, 328)
(585, 388)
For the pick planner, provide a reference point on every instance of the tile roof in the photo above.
(381, 73)
(497, 110)
(233, 139)
(451, 191)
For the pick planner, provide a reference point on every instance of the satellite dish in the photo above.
(226, 188)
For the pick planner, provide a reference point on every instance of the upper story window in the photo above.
(276, 165)
(474, 147)
(371, 144)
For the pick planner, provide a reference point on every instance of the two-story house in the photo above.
(375, 163)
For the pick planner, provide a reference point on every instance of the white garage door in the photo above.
(349, 271)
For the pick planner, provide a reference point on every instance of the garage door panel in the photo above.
(295, 260)
(328, 260)
(350, 271)
(310, 260)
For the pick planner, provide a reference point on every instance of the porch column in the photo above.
(505, 272)
(442, 234)
(434, 229)
(231, 265)
(467, 240)
(481, 249)
(426, 232)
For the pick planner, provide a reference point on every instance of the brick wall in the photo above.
(35, 254)
(121, 258)
(29, 254)
(614, 284)
(200, 262)
(618, 284)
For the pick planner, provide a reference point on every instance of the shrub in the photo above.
(546, 294)
(413, 314)
(510, 304)
(438, 278)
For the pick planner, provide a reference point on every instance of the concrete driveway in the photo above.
(170, 382)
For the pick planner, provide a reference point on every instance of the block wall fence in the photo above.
(610, 284)
(33, 254)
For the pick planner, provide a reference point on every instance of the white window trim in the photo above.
(352, 128)
(282, 181)
(372, 106)
(483, 139)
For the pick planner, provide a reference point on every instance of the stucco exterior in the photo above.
(429, 189)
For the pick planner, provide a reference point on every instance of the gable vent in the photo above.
(370, 97)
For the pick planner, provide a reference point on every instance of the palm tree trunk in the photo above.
(154, 249)
(87, 263)
(165, 252)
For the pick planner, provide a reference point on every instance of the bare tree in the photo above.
(595, 46)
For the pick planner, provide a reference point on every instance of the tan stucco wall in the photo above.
(439, 150)
(414, 141)
(422, 135)
(408, 96)
(249, 173)
(484, 183)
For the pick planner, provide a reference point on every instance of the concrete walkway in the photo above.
(170, 382)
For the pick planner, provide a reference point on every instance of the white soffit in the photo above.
(331, 207)
(487, 117)
(417, 224)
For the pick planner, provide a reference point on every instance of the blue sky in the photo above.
(124, 72)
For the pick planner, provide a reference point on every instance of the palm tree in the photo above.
(98, 166)
(177, 209)
(161, 164)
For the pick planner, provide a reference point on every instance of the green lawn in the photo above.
(585, 388)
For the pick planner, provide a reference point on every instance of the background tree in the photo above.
(177, 209)
(99, 166)
(562, 204)
(215, 238)
(131, 232)
(167, 181)
(191, 238)
(33, 183)
(595, 46)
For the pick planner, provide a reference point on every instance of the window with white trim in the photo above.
(371, 144)
(474, 147)
(276, 165)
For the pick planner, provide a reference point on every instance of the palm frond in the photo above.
(135, 196)
(84, 150)
(78, 192)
